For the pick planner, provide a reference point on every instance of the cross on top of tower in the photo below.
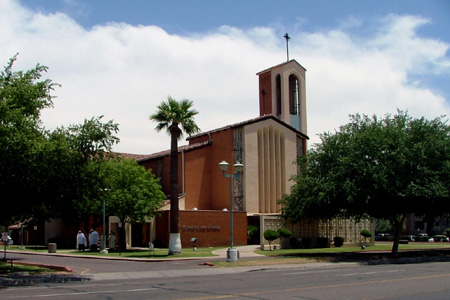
(287, 37)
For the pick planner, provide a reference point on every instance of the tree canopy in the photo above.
(380, 168)
(132, 193)
(45, 174)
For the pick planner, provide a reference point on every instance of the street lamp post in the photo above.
(238, 167)
(103, 247)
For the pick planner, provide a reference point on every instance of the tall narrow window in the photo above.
(278, 86)
(294, 106)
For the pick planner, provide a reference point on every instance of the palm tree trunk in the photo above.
(175, 239)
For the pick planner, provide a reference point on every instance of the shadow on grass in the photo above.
(379, 257)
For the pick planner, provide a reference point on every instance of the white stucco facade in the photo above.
(269, 156)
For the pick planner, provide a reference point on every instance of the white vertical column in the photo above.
(266, 171)
(261, 200)
(273, 195)
(279, 194)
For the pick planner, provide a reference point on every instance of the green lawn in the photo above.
(158, 253)
(5, 268)
(376, 247)
(162, 253)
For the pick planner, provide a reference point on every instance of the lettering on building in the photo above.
(202, 228)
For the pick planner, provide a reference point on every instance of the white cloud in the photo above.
(124, 72)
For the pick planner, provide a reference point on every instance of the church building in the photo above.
(268, 147)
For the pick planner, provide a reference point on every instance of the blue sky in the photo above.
(194, 16)
(120, 59)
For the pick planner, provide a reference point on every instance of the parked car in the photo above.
(383, 237)
(409, 238)
(423, 237)
(440, 238)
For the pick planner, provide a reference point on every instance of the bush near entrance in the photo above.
(271, 235)
(338, 241)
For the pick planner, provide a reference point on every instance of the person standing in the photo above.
(93, 239)
(81, 241)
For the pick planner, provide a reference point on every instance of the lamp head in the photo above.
(224, 166)
(238, 167)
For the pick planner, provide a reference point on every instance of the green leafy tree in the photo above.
(45, 174)
(176, 118)
(132, 193)
(379, 168)
(271, 235)
(22, 140)
(86, 147)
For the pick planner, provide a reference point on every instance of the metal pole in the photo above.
(231, 207)
(103, 236)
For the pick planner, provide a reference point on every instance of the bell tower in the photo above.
(282, 93)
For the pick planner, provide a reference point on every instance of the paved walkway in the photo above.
(244, 251)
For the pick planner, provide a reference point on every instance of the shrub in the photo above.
(271, 235)
(295, 243)
(284, 233)
(322, 242)
(251, 230)
(366, 233)
(338, 241)
(306, 242)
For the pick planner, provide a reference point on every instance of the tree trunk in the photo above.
(398, 226)
(175, 239)
(123, 238)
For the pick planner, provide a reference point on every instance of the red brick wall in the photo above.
(211, 228)
(222, 149)
(198, 139)
(198, 181)
(203, 178)
(265, 103)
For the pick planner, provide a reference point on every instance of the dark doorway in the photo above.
(136, 235)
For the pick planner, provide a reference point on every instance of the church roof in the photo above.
(280, 65)
(184, 148)
(251, 121)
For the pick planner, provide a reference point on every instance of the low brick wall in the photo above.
(210, 227)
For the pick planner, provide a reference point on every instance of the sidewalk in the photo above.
(244, 252)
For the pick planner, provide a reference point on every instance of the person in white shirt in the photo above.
(81, 241)
(93, 240)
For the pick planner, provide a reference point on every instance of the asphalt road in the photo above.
(169, 280)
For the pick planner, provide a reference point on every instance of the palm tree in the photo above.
(177, 118)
